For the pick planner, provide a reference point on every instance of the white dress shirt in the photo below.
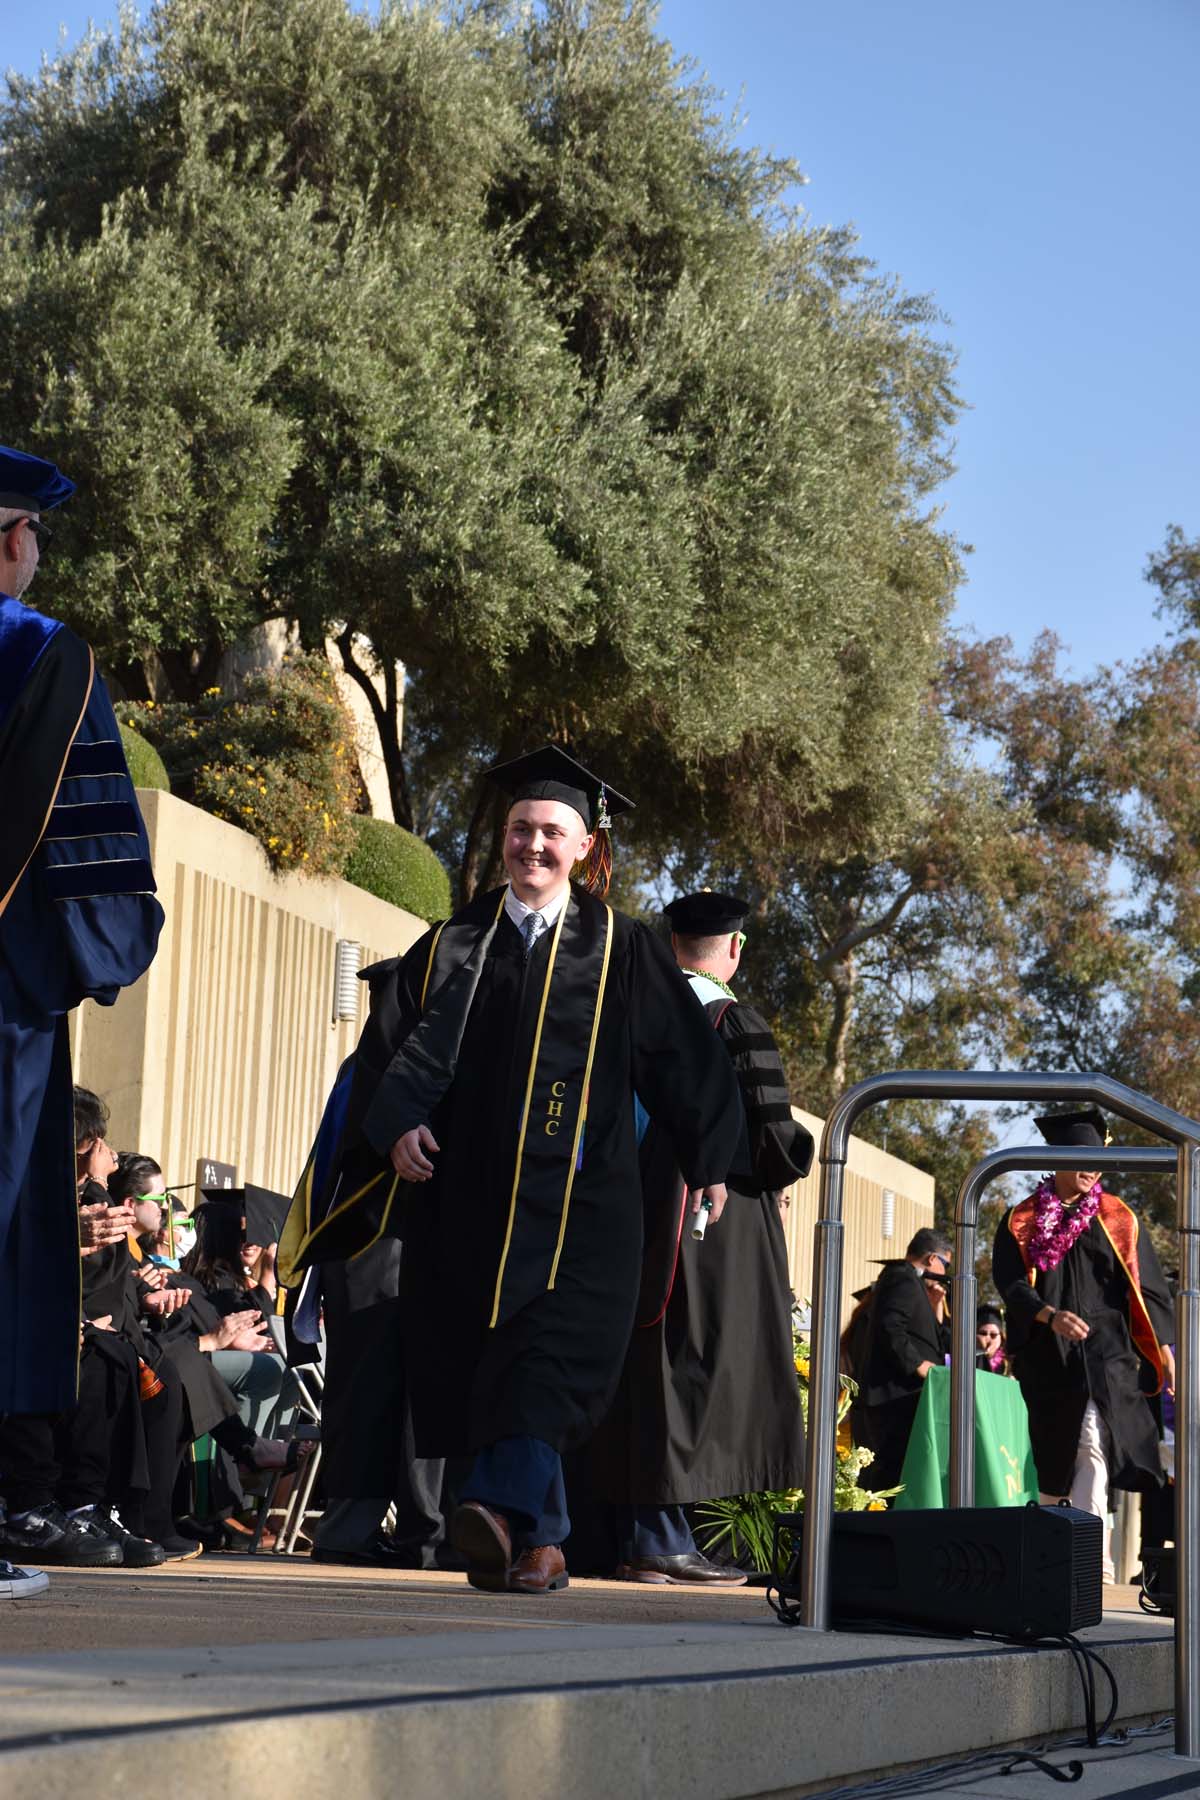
(518, 912)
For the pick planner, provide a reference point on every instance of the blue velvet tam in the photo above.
(30, 483)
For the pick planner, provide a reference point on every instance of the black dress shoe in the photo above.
(690, 1569)
(179, 1549)
(49, 1535)
(137, 1552)
(379, 1552)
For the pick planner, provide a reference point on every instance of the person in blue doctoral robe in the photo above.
(78, 920)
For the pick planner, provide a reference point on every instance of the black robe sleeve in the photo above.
(1022, 1302)
(395, 1008)
(781, 1150)
(681, 1069)
(1155, 1291)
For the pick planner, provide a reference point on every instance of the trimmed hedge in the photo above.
(392, 864)
(146, 766)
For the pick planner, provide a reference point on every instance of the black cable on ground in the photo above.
(916, 1784)
(1085, 1659)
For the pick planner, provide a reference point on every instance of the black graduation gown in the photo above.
(1059, 1378)
(548, 1365)
(902, 1333)
(110, 1287)
(709, 1403)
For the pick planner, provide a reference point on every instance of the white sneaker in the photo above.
(17, 1583)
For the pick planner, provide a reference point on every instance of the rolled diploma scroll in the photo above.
(700, 1220)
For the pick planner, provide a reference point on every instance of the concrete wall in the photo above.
(226, 1047)
(869, 1171)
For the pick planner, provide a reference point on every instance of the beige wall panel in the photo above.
(226, 1047)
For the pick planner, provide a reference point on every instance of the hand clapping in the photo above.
(101, 1225)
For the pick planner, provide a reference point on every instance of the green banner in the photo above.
(1004, 1469)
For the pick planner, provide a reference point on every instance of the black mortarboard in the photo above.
(551, 774)
(30, 483)
(989, 1314)
(706, 914)
(264, 1210)
(1086, 1128)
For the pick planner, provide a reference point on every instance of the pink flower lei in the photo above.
(1055, 1227)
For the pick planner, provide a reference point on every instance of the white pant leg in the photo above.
(1089, 1485)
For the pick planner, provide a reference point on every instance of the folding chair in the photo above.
(305, 1428)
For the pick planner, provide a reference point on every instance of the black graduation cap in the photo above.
(30, 483)
(1086, 1127)
(551, 774)
(706, 914)
(988, 1313)
(263, 1208)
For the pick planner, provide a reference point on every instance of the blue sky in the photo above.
(1032, 167)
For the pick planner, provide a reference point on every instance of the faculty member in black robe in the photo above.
(1088, 1330)
(907, 1335)
(494, 1089)
(369, 1461)
(709, 1403)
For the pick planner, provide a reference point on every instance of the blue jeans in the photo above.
(652, 1531)
(522, 1478)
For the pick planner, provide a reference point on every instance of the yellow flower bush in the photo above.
(271, 761)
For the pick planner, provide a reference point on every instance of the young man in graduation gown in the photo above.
(493, 1096)
(709, 1403)
(78, 920)
(1089, 1328)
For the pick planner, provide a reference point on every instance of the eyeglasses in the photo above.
(41, 531)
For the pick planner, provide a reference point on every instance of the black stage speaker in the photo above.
(1018, 1571)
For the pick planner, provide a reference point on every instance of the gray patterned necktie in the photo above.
(532, 927)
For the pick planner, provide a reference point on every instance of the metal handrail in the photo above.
(965, 1285)
(1087, 1089)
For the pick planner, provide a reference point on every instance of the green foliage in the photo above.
(146, 766)
(276, 762)
(392, 864)
(745, 1523)
(477, 330)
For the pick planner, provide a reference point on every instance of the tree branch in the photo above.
(384, 714)
(847, 942)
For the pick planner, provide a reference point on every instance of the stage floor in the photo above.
(299, 1680)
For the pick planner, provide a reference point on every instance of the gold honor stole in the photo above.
(1120, 1227)
(554, 1104)
(553, 1092)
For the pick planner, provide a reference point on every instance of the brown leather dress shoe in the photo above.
(483, 1538)
(539, 1571)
